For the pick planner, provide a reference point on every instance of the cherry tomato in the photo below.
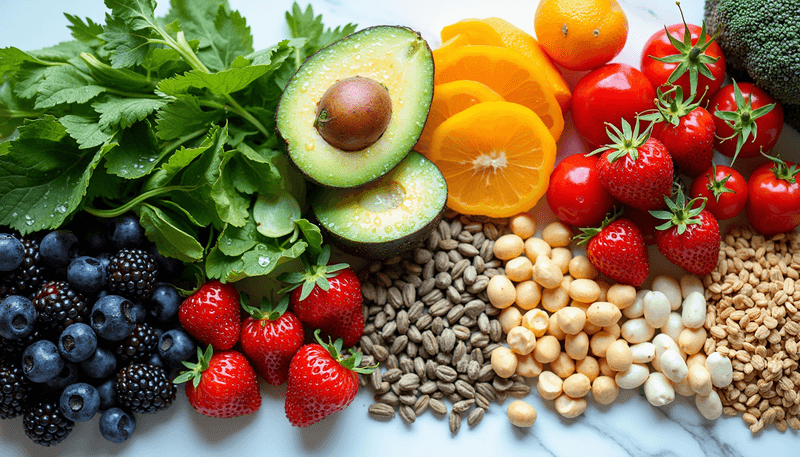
(767, 125)
(725, 190)
(773, 202)
(609, 94)
(702, 54)
(575, 193)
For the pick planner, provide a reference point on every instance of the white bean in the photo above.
(633, 377)
(643, 352)
(637, 331)
(693, 311)
(670, 287)
(658, 390)
(709, 406)
(700, 379)
(656, 308)
(662, 342)
(691, 283)
(673, 366)
(683, 388)
(720, 368)
(636, 309)
(674, 326)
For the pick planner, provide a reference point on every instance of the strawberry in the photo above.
(211, 314)
(330, 298)
(270, 337)
(617, 249)
(223, 384)
(634, 168)
(321, 381)
(690, 238)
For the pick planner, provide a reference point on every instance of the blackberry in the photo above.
(132, 273)
(144, 388)
(13, 348)
(59, 306)
(44, 423)
(141, 343)
(24, 280)
(15, 389)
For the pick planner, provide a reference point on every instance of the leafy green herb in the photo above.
(171, 118)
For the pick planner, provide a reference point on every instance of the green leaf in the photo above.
(87, 132)
(179, 160)
(128, 80)
(235, 241)
(126, 111)
(222, 83)
(306, 24)
(138, 14)
(312, 235)
(183, 116)
(275, 214)
(28, 79)
(231, 205)
(231, 38)
(61, 52)
(66, 84)
(255, 170)
(204, 172)
(11, 59)
(87, 32)
(170, 235)
(196, 17)
(164, 60)
(136, 154)
(128, 47)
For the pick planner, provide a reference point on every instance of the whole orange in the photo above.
(581, 34)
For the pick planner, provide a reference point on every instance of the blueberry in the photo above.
(117, 425)
(169, 268)
(113, 317)
(95, 238)
(68, 375)
(58, 248)
(175, 346)
(86, 274)
(127, 233)
(17, 317)
(108, 393)
(138, 312)
(41, 361)
(101, 364)
(164, 303)
(77, 342)
(79, 402)
(104, 258)
(12, 252)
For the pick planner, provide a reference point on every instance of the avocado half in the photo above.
(396, 57)
(386, 217)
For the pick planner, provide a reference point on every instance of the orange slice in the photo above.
(496, 157)
(494, 31)
(449, 99)
(506, 72)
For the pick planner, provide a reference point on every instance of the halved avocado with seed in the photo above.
(388, 216)
(356, 108)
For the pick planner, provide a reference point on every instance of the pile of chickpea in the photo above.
(577, 334)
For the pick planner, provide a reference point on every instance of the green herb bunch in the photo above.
(171, 118)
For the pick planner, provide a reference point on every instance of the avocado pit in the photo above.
(353, 113)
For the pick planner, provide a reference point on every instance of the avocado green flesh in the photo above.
(388, 216)
(396, 57)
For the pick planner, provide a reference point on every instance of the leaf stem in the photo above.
(120, 210)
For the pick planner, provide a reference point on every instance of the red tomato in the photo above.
(659, 72)
(725, 190)
(768, 125)
(773, 202)
(575, 193)
(609, 94)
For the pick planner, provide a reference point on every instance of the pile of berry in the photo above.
(88, 326)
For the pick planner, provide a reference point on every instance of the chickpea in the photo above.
(643, 352)
(670, 287)
(537, 321)
(588, 366)
(603, 314)
(521, 414)
(604, 286)
(683, 388)
(656, 309)
(613, 329)
(700, 380)
(569, 407)
(547, 349)
(693, 310)
(590, 329)
(658, 390)
(696, 359)
(549, 385)
(527, 366)
(605, 370)
(547, 273)
(581, 268)
(604, 390)
(637, 331)
(519, 269)
(577, 385)
(561, 257)
(600, 341)
(529, 294)
(554, 330)
(563, 365)
(571, 319)
(501, 291)
(673, 366)
(692, 340)
(508, 247)
(577, 346)
(534, 247)
(509, 318)
(674, 326)
(663, 342)
(619, 355)
(636, 309)
(691, 283)
(621, 295)
(557, 234)
(521, 340)
(633, 377)
(580, 305)
(523, 225)
(584, 290)
(709, 406)
(504, 362)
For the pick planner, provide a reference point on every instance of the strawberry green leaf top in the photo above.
(681, 213)
(671, 106)
(624, 142)
(743, 119)
(313, 275)
(335, 349)
(195, 369)
(268, 311)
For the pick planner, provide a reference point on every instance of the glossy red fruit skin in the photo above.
(642, 183)
(318, 386)
(658, 45)
(769, 126)
(337, 311)
(730, 204)
(646, 223)
(690, 143)
(697, 249)
(773, 205)
(619, 252)
(609, 94)
(575, 194)
(228, 388)
(212, 315)
(271, 344)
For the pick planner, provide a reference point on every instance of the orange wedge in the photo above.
(506, 72)
(496, 157)
(449, 99)
(494, 31)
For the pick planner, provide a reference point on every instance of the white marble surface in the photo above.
(629, 427)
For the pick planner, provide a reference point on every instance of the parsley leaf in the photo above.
(222, 83)
(65, 84)
(183, 116)
(173, 238)
(87, 132)
(126, 111)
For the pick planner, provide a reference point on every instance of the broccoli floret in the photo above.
(761, 39)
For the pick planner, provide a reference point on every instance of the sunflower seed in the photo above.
(475, 417)
(407, 414)
(437, 406)
(399, 344)
(381, 411)
(409, 381)
(392, 375)
(446, 374)
(421, 404)
(455, 422)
